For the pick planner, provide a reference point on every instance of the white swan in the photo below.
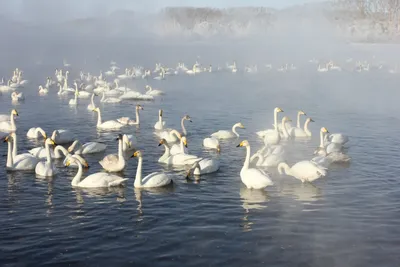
(170, 136)
(107, 125)
(9, 126)
(22, 162)
(337, 138)
(330, 147)
(153, 92)
(204, 166)
(92, 105)
(178, 159)
(272, 132)
(304, 170)
(297, 132)
(253, 178)
(155, 179)
(82, 94)
(43, 90)
(160, 123)
(112, 162)
(298, 125)
(128, 121)
(271, 159)
(46, 168)
(95, 180)
(35, 133)
(110, 99)
(87, 148)
(285, 133)
(61, 91)
(15, 96)
(224, 134)
(324, 159)
(74, 101)
(62, 136)
(213, 143)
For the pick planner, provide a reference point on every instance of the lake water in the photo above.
(349, 218)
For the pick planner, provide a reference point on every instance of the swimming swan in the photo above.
(303, 170)
(160, 123)
(297, 132)
(272, 136)
(95, 180)
(35, 133)
(46, 168)
(9, 126)
(178, 159)
(204, 166)
(112, 162)
(87, 148)
(19, 162)
(155, 179)
(108, 125)
(212, 142)
(128, 121)
(224, 134)
(253, 178)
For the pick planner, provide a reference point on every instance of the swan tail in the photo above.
(117, 182)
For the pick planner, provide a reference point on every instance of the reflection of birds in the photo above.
(253, 199)
(303, 192)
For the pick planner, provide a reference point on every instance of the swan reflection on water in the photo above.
(302, 192)
(252, 199)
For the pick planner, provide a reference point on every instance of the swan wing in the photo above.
(255, 178)
(156, 179)
(109, 160)
(93, 147)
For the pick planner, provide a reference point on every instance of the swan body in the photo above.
(43, 90)
(253, 178)
(107, 125)
(87, 148)
(330, 147)
(211, 142)
(15, 96)
(22, 162)
(96, 180)
(206, 166)
(272, 136)
(46, 168)
(297, 132)
(223, 134)
(304, 170)
(110, 99)
(178, 159)
(114, 163)
(337, 138)
(9, 126)
(270, 160)
(153, 92)
(35, 133)
(62, 136)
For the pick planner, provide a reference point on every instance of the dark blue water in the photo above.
(349, 218)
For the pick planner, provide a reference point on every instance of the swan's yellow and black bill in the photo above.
(52, 142)
(86, 165)
(312, 120)
(135, 154)
(161, 142)
(280, 110)
(68, 163)
(6, 139)
(240, 145)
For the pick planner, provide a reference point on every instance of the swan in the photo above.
(285, 133)
(61, 91)
(92, 105)
(15, 96)
(204, 166)
(21, 163)
(46, 168)
(153, 92)
(213, 143)
(5, 117)
(16, 157)
(180, 148)
(253, 178)
(74, 101)
(337, 138)
(62, 136)
(171, 136)
(9, 126)
(43, 91)
(87, 148)
(224, 134)
(160, 124)
(110, 99)
(303, 170)
(112, 162)
(298, 125)
(184, 131)
(108, 125)
(155, 179)
(178, 159)
(323, 69)
(82, 94)
(35, 133)
(297, 132)
(273, 133)
(330, 147)
(128, 121)
(270, 160)
(7, 87)
(95, 180)
(324, 159)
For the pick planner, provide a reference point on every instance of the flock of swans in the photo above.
(332, 147)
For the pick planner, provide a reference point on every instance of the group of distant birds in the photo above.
(272, 154)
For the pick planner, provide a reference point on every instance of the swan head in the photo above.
(137, 154)
(7, 139)
(147, 87)
(302, 113)
(278, 109)
(240, 125)
(310, 120)
(96, 110)
(286, 119)
(243, 143)
(324, 130)
(14, 112)
(50, 141)
(187, 117)
(162, 142)
(139, 107)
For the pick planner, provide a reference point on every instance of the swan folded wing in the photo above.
(111, 125)
(255, 178)
(93, 147)
(109, 160)
(124, 120)
(156, 179)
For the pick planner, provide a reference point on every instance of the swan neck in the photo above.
(138, 178)
(275, 120)
(10, 160)
(183, 126)
(48, 155)
(78, 176)
(12, 121)
(98, 117)
(234, 130)
(283, 167)
(306, 127)
(167, 152)
(321, 136)
(298, 120)
(15, 146)
(61, 149)
(284, 129)
(247, 160)
(92, 101)
(137, 116)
